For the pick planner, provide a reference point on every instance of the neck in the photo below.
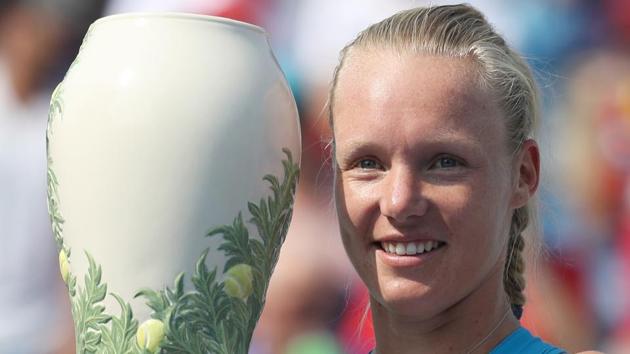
(475, 324)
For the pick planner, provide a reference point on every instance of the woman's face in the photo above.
(424, 184)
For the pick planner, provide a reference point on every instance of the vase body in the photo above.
(173, 150)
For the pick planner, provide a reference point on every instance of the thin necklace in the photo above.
(489, 334)
(476, 346)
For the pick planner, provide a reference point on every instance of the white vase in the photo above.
(168, 128)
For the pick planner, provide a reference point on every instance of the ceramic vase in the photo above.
(173, 151)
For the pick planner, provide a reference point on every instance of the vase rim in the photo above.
(180, 15)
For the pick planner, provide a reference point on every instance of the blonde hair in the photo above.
(462, 31)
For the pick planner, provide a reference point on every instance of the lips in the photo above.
(410, 248)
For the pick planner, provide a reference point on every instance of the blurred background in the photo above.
(578, 290)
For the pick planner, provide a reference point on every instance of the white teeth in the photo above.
(409, 248)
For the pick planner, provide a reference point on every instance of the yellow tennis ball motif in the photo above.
(238, 281)
(150, 334)
(64, 265)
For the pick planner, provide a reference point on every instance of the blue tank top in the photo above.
(522, 342)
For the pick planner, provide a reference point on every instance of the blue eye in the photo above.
(447, 162)
(368, 164)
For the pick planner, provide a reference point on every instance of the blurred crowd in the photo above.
(37, 40)
(579, 287)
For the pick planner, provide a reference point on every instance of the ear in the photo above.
(527, 170)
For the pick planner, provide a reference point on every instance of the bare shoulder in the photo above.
(590, 352)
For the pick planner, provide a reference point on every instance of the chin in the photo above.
(408, 298)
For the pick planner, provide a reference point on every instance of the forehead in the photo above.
(430, 90)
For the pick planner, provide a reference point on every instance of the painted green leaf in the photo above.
(119, 338)
(88, 312)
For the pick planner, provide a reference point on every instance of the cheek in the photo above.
(358, 202)
(353, 226)
(475, 214)
(459, 209)
(345, 206)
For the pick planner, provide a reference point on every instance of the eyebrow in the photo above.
(357, 146)
(353, 148)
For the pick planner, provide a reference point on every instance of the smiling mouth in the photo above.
(411, 248)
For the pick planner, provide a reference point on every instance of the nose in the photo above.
(402, 196)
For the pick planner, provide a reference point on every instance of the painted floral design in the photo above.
(215, 316)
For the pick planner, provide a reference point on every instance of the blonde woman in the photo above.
(432, 116)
